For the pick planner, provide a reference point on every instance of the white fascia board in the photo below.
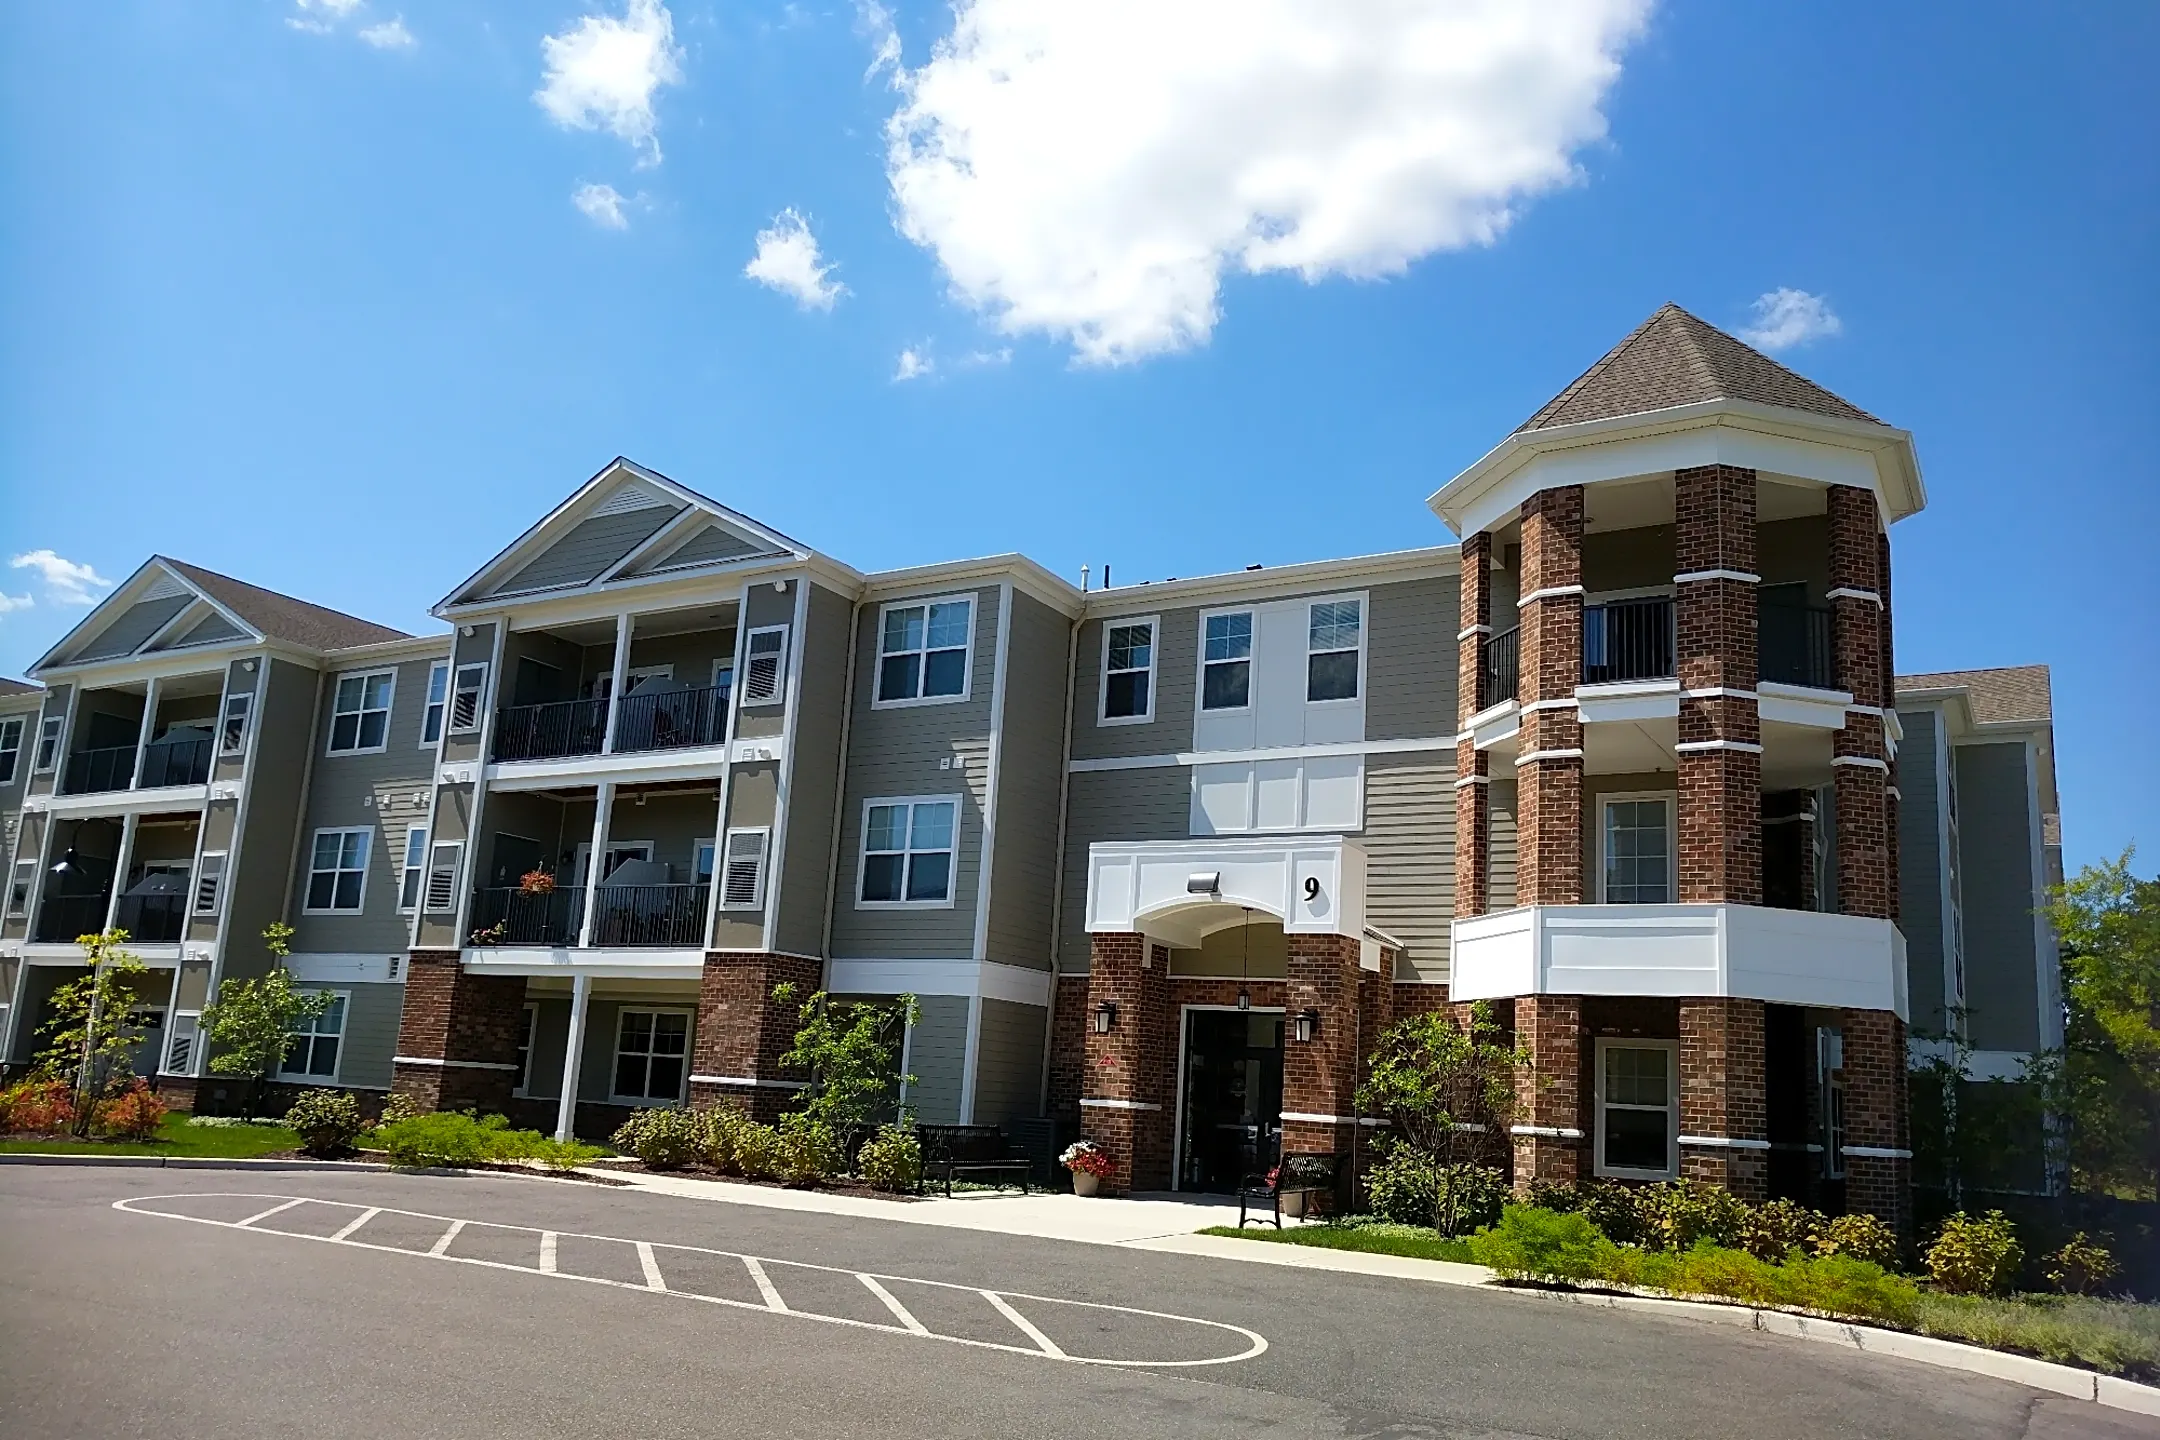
(412, 647)
(1309, 577)
(122, 597)
(985, 979)
(1026, 575)
(133, 670)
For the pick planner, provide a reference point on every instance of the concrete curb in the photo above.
(188, 1162)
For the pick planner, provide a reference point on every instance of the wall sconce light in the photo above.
(247, 667)
(1106, 1017)
(1204, 882)
(1306, 1026)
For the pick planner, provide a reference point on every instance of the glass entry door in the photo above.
(1233, 1097)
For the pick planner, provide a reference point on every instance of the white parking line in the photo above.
(651, 1267)
(364, 1216)
(892, 1303)
(764, 1284)
(273, 1210)
(1043, 1342)
(547, 1252)
(442, 1246)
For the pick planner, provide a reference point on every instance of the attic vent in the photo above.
(164, 588)
(630, 495)
(742, 881)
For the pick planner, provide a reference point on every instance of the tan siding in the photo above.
(1030, 768)
(1114, 805)
(937, 1056)
(132, 626)
(1177, 666)
(1008, 1061)
(371, 1026)
(1995, 845)
(1920, 858)
(588, 548)
(814, 775)
(1410, 661)
(257, 876)
(1501, 847)
(1410, 855)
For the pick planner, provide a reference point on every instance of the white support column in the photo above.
(573, 1052)
(596, 860)
(121, 862)
(615, 686)
(144, 732)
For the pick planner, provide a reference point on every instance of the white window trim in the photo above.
(523, 1088)
(780, 675)
(967, 659)
(25, 872)
(58, 725)
(615, 1054)
(195, 1039)
(480, 699)
(216, 875)
(1252, 662)
(720, 861)
(1672, 1109)
(302, 1077)
(13, 752)
(367, 863)
(441, 668)
(699, 852)
(245, 699)
(1672, 838)
(720, 663)
(1154, 671)
(1363, 601)
(862, 852)
(406, 868)
(389, 711)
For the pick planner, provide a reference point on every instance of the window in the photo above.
(412, 868)
(908, 851)
(702, 863)
(1637, 840)
(337, 871)
(11, 733)
(438, 694)
(723, 679)
(19, 887)
(209, 882)
(1830, 1067)
(1226, 662)
(180, 1044)
(525, 1049)
(1332, 644)
(652, 1048)
(743, 887)
(360, 713)
(465, 699)
(765, 664)
(1638, 1114)
(312, 1051)
(48, 744)
(233, 729)
(923, 651)
(1128, 672)
(442, 876)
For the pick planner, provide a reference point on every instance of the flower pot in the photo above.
(1085, 1184)
(1293, 1204)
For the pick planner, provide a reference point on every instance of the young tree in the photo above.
(90, 1041)
(1448, 1093)
(252, 1021)
(851, 1054)
(2105, 1083)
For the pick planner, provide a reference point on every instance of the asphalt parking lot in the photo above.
(220, 1303)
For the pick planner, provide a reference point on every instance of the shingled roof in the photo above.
(2015, 693)
(1675, 359)
(281, 617)
(9, 689)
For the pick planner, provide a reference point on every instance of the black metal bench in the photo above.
(970, 1152)
(1300, 1174)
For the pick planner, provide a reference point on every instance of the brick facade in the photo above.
(1068, 1048)
(1876, 1118)
(1550, 1140)
(1473, 767)
(1128, 1094)
(742, 1031)
(1720, 745)
(1722, 1073)
(1549, 767)
(458, 1034)
(1320, 1075)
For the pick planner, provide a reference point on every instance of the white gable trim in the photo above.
(152, 580)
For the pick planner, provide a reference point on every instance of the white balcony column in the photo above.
(121, 862)
(596, 860)
(615, 685)
(573, 1052)
(144, 732)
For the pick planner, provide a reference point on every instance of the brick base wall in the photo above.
(1549, 1097)
(1876, 1118)
(742, 1031)
(1721, 1095)
(469, 1025)
(1128, 1068)
(1068, 1048)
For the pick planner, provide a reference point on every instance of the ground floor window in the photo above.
(652, 1053)
(1638, 1109)
(312, 1051)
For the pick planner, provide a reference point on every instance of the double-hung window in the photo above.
(1332, 648)
(1637, 838)
(11, 733)
(652, 1049)
(923, 651)
(337, 871)
(1128, 671)
(48, 744)
(908, 851)
(1226, 661)
(413, 868)
(438, 696)
(311, 1052)
(1638, 1109)
(233, 726)
(360, 712)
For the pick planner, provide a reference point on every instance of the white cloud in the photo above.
(1091, 171)
(977, 359)
(787, 260)
(10, 603)
(602, 204)
(914, 364)
(390, 35)
(1785, 318)
(320, 17)
(875, 21)
(602, 74)
(66, 583)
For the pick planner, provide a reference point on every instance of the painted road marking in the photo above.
(1026, 1314)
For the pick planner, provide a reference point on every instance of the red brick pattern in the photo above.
(1549, 1096)
(453, 1016)
(1549, 803)
(1722, 1069)
(1133, 1063)
(1320, 1075)
(742, 1031)
(1475, 625)
(1720, 791)
(1068, 1047)
(1473, 801)
(1876, 1117)
(1864, 836)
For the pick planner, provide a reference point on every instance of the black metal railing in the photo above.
(656, 719)
(90, 772)
(1628, 640)
(176, 762)
(1499, 667)
(546, 732)
(61, 918)
(510, 915)
(1796, 645)
(651, 915)
(152, 919)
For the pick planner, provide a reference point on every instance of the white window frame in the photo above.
(436, 714)
(523, 1087)
(922, 654)
(389, 711)
(21, 883)
(1605, 802)
(723, 665)
(478, 689)
(11, 744)
(188, 1024)
(367, 858)
(1251, 661)
(1153, 671)
(412, 874)
(581, 858)
(763, 835)
(1672, 1109)
(705, 862)
(780, 669)
(211, 872)
(52, 729)
(309, 1077)
(1364, 632)
(615, 1053)
(862, 852)
(445, 858)
(237, 710)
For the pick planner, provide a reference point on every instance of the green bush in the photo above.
(1675, 1214)
(397, 1105)
(1867, 1238)
(1411, 1187)
(757, 1150)
(721, 1136)
(665, 1139)
(2081, 1266)
(891, 1160)
(327, 1121)
(1773, 1231)
(1975, 1257)
(1531, 1243)
(808, 1150)
(463, 1138)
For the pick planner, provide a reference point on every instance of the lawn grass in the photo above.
(1374, 1238)
(175, 1137)
(2115, 1337)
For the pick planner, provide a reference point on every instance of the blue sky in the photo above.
(304, 293)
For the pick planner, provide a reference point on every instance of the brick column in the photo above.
(1549, 1139)
(458, 1035)
(1320, 1075)
(1724, 1123)
(1892, 798)
(1473, 768)
(1548, 765)
(742, 1031)
(1876, 1119)
(1860, 766)
(1128, 1090)
(1720, 748)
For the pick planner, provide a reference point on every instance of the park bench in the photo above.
(970, 1152)
(1298, 1176)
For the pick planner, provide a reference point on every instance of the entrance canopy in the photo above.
(1179, 890)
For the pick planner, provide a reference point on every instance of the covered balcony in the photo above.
(654, 886)
(155, 864)
(677, 674)
(171, 735)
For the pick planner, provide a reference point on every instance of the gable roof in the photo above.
(9, 689)
(281, 617)
(1673, 359)
(2014, 694)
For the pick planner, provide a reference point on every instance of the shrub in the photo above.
(35, 1106)
(665, 1139)
(2112, 1336)
(328, 1121)
(2081, 1266)
(891, 1159)
(1859, 1237)
(1612, 1207)
(463, 1138)
(757, 1150)
(720, 1139)
(134, 1114)
(1675, 1214)
(1975, 1257)
(1534, 1244)
(399, 1106)
(808, 1152)
(1411, 1187)
(1773, 1231)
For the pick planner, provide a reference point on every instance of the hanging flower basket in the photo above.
(536, 882)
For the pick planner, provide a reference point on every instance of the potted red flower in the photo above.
(536, 882)
(1090, 1165)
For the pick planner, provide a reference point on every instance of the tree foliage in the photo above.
(251, 1022)
(851, 1052)
(90, 1039)
(2104, 1085)
(1448, 1092)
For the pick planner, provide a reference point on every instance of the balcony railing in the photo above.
(61, 918)
(655, 719)
(152, 919)
(1628, 640)
(551, 730)
(508, 915)
(672, 915)
(176, 762)
(1796, 645)
(92, 772)
(1499, 667)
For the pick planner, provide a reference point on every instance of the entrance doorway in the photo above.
(1230, 1110)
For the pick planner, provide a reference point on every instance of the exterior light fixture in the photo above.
(1106, 1017)
(1244, 998)
(68, 863)
(1307, 1026)
(1204, 882)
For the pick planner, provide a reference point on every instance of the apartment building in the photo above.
(1626, 762)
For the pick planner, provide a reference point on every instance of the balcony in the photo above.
(175, 760)
(552, 919)
(1628, 640)
(652, 718)
(650, 916)
(1499, 667)
(550, 731)
(1796, 645)
(62, 918)
(92, 772)
(154, 919)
